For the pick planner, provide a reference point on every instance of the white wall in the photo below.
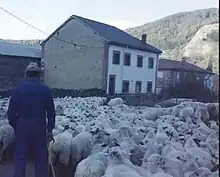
(132, 72)
(209, 81)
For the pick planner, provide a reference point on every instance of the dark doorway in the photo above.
(111, 87)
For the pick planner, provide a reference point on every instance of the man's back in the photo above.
(29, 105)
(33, 99)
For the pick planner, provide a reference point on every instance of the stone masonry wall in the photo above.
(12, 70)
(74, 67)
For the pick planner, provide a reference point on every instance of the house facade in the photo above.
(14, 58)
(131, 71)
(173, 72)
(85, 54)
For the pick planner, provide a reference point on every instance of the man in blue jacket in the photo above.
(31, 102)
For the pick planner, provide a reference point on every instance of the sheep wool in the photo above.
(94, 138)
(6, 137)
(93, 166)
(61, 148)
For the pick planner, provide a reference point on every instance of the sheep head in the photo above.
(115, 154)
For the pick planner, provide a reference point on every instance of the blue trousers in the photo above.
(35, 132)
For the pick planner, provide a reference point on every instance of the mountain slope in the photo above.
(204, 46)
(173, 34)
(32, 42)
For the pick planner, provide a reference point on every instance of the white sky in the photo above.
(47, 15)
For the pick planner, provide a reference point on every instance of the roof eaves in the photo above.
(87, 25)
(157, 51)
(25, 56)
(67, 21)
(186, 70)
(56, 30)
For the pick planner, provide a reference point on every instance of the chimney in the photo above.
(183, 60)
(210, 65)
(143, 38)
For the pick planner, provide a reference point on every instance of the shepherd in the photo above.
(31, 113)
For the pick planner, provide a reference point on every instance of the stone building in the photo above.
(13, 60)
(86, 54)
(172, 72)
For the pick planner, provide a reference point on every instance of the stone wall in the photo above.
(166, 80)
(216, 85)
(172, 78)
(137, 99)
(12, 70)
(61, 93)
(69, 66)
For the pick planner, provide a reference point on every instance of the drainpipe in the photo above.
(122, 68)
(157, 66)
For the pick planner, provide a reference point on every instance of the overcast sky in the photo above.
(47, 15)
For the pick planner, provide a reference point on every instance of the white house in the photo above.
(85, 54)
(131, 70)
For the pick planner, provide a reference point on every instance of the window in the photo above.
(127, 59)
(177, 75)
(149, 86)
(138, 87)
(116, 58)
(151, 62)
(160, 74)
(125, 87)
(139, 61)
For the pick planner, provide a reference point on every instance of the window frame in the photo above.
(136, 83)
(142, 61)
(113, 57)
(150, 82)
(129, 61)
(149, 64)
(125, 82)
(159, 74)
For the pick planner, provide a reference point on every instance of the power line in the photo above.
(22, 20)
(38, 9)
(33, 5)
(59, 39)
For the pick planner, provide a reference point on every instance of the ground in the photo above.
(7, 170)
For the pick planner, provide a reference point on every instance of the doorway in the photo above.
(111, 87)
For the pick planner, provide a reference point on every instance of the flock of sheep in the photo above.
(99, 139)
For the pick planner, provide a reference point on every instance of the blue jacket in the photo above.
(33, 101)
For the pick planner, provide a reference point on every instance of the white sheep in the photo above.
(137, 154)
(59, 110)
(60, 150)
(173, 167)
(161, 174)
(203, 158)
(186, 112)
(117, 167)
(81, 146)
(150, 147)
(202, 113)
(4, 122)
(153, 113)
(176, 110)
(115, 102)
(93, 166)
(174, 134)
(201, 172)
(154, 163)
(7, 136)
